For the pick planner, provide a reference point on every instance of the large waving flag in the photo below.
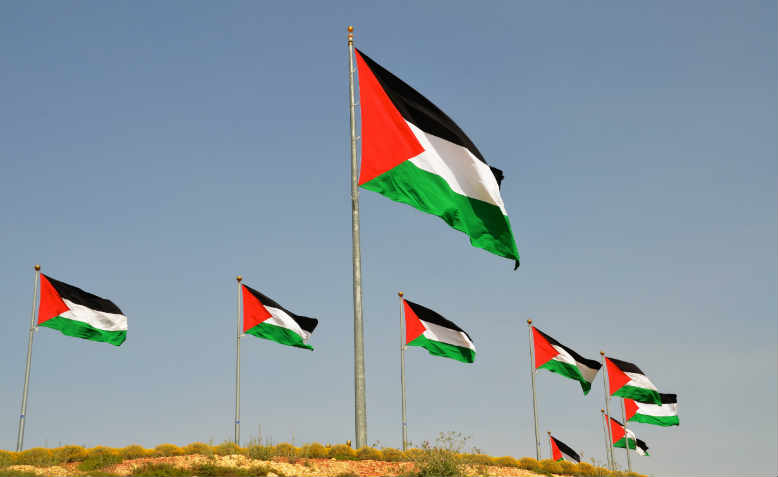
(560, 450)
(439, 336)
(623, 437)
(264, 318)
(664, 415)
(81, 314)
(552, 355)
(628, 381)
(413, 153)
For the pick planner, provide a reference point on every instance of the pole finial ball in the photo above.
(400, 294)
(239, 278)
(529, 322)
(602, 411)
(37, 267)
(350, 28)
(602, 353)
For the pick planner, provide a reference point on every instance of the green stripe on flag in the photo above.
(639, 394)
(438, 348)
(484, 223)
(656, 420)
(569, 371)
(79, 329)
(278, 334)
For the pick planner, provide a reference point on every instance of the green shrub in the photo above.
(342, 452)
(550, 466)
(133, 451)
(37, 456)
(393, 455)
(369, 453)
(285, 450)
(7, 458)
(167, 450)
(66, 454)
(260, 452)
(228, 448)
(160, 470)
(99, 457)
(314, 451)
(568, 468)
(506, 461)
(528, 463)
(477, 459)
(198, 448)
(442, 459)
(414, 454)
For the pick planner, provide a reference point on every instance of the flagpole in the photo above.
(550, 447)
(605, 433)
(607, 410)
(402, 371)
(534, 400)
(360, 411)
(624, 416)
(23, 413)
(237, 368)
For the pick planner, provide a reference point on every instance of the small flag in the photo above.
(560, 450)
(550, 354)
(413, 153)
(264, 318)
(621, 436)
(439, 336)
(664, 415)
(628, 381)
(77, 313)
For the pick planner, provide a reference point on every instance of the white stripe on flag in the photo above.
(282, 319)
(462, 171)
(640, 381)
(97, 319)
(446, 335)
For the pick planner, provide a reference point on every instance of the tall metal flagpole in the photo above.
(607, 410)
(237, 368)
(402, 370)
(360, 411)
(624, 416)
(23, 413)
(532, 376)
(605, 433)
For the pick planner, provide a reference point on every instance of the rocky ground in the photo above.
(282, 466)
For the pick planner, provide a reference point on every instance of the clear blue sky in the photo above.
(151, 152)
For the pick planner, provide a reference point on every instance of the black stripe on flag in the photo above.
(81, 297)
(566, 450)
(433, 317)
(588, 362)
(420, 111)
(669, 398)
(625, 366)
(641, 444)
(306, 323)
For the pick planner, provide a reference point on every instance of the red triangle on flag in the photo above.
(556, 454)
(616, 377)
(544, 352)
(630, 408)
(387, 140)
(254, 312)
(51, 303)
(413, 326)
(617, 430)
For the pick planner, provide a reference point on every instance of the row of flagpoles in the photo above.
(413, 153)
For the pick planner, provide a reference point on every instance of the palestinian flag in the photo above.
(552, 355)
(621, 436)
(628, 381)
(560, 450)
(75, 312)
(425, 328)
(664, 415)
(413, 153)
(264, 318)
